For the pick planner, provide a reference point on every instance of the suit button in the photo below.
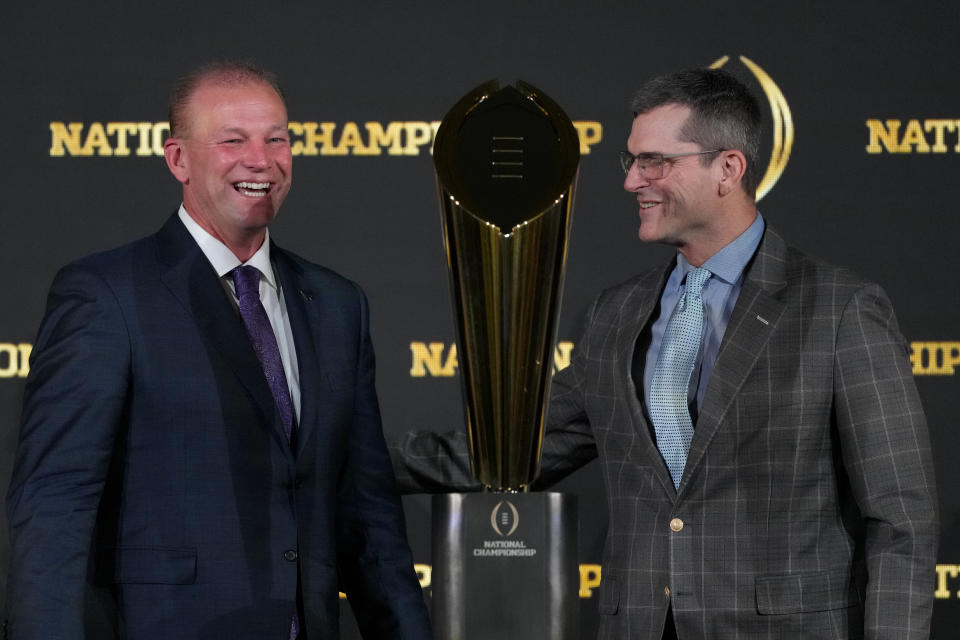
(666, 592)
(290, 555)
(676, 524)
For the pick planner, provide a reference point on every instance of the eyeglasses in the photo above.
(652, 166)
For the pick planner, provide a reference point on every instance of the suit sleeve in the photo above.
(73, 404)
(886, 453)
(374, 558)
(568, 442)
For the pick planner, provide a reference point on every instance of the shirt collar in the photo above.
(728, 263)
(219, 255)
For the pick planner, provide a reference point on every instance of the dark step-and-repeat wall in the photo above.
(863, 152)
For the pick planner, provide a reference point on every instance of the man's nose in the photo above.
(634, 179)
(255, 156)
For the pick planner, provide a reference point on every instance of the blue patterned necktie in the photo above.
(669, 410)
(247, 281)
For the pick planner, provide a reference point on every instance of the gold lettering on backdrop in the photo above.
(350, 139)
(561, 357)
(159, 133)
(885, 133)
(306, 138)
(419, 134)
(913, 137)
(424, 574)
(590, 132)
(25, 351)
(145, 148)
(8, 360)
(120, 130)
(438, 360)
(107, 139)
(591, 576)
(308, 146)
(429, 358)
(381, 138)
(96, 140)
(937, 126)
(944, 572)
(63, 140)
(934, 358)
(926, 136)
(589, 579)
(15, 359)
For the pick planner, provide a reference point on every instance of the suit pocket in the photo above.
(805, 592)
(152, 565)
(609, 602)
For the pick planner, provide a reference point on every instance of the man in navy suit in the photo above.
(182, 471)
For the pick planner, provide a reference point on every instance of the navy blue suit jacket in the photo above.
(154, 493)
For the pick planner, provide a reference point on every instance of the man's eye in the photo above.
(278, 139)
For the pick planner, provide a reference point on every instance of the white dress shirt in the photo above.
(224, 261)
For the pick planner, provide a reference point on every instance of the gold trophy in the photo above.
(506, 164)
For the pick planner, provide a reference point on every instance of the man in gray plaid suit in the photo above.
(806, 507)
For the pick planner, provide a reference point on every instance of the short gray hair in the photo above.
(724, 114)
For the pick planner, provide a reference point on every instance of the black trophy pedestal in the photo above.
(505, 566)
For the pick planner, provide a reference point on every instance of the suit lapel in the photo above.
(194, 283)
(635, 314)
(305, 307)
(754, 318)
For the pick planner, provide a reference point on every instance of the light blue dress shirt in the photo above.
(719, 297)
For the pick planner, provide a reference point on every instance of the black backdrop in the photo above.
(858, 188)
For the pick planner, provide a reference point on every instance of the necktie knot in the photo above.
(696, 279)
(246, 279)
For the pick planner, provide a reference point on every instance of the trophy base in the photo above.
(505, 566)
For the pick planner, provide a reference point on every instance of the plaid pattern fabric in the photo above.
(807, 508)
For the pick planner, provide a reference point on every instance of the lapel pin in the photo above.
(306, 295)
(763, 320)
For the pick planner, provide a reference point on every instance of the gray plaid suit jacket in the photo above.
(807, 508)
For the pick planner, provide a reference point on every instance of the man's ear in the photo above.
(733, 164)
(175, 156)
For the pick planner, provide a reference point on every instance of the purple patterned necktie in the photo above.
(247, 281)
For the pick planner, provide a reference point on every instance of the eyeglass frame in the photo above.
(660, 159)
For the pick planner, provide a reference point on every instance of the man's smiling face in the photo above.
(235, 162)
(678, 208)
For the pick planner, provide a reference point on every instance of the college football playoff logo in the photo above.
(504, 517)
(782, 124)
